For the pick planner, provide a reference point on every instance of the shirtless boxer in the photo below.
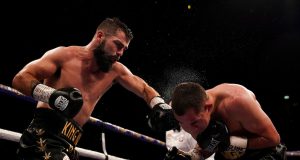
(226, 120)
(68, 82)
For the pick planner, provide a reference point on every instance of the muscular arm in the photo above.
(135, 84)
(254, 120)
(37, 70)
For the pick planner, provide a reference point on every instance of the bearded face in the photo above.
(104, 59)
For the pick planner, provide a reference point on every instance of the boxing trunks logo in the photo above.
(233, 152)
(61, 103)
(71, 132)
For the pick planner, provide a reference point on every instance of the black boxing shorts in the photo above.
(50, 135)
(274, 153)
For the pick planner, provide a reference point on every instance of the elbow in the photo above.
(16, 80)
(24, 82)
(275, 139)
(19, 81)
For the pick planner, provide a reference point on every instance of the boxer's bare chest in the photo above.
(91, 84)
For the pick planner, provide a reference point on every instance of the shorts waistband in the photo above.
(56, 124)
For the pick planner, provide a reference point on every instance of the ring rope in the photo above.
(103, 143)
(111, 127)
(15, 136)
(13, 92)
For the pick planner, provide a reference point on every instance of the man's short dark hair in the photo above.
(112, 25)
(188, 95)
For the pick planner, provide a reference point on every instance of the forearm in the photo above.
(138, 86)
(261, 142)
(149, 94)
(24, 83)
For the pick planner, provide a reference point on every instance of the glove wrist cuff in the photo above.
(42, 93)
(156, 100)
(240, 142)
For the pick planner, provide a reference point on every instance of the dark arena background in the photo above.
(255, 43)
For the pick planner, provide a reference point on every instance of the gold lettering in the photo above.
(65, 129)
(71, 132)
(74, 135)
(77, 139)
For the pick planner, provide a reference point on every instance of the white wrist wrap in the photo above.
(236, 149)
(240, 142)
(154, 101)
(158, 100)
(42, 93)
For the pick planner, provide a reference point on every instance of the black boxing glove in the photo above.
(175, 154)
(161, 117)
(67, 100)
(209, 140)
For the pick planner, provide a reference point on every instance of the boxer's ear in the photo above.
(208, 107)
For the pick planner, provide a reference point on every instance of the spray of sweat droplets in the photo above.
(174, 76)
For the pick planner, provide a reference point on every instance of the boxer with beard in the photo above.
(68, 82)
(103, 59)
